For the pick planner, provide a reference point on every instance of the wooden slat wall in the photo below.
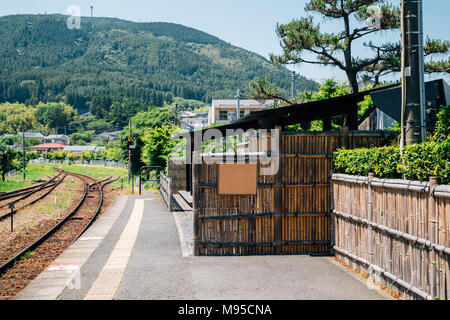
(177, 174)
(306, 161)
(405, 211)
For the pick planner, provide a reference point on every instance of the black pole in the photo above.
(412, 72)
(11, 206)
(140, 178)
(23, 153)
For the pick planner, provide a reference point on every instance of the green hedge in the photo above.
(420, 161)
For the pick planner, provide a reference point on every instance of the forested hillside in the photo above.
(42, 60)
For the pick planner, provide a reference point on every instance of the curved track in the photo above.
(51, 185)
(75, 223)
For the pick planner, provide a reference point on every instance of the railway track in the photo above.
(23, 191)
(70, 227)
(50, 185)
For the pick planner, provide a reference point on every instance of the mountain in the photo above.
(155, 62)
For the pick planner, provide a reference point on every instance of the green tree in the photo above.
(100, 106)
(336, 48)
(158, 146)
(140, 124)
(55, 114)
(8, 160)
(87, 156)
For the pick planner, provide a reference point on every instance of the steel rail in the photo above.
(18, 192)
(94, 216)
(3, 217)
(29, 193)
(49, 233)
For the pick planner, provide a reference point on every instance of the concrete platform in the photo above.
(133, 252)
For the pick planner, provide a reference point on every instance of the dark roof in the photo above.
(266, 119)
(437, 93)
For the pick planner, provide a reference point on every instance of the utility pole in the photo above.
(176, 115)
(293, 85)
(413, 87)
(129, 150)
(23, 153)
(238, 109)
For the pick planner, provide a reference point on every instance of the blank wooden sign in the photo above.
(237, 179)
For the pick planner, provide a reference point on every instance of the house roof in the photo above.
(243, 103)
(57, 136)
(32, 135)
(83, 148)
(437, 93)
(48, 146)
(80, 148)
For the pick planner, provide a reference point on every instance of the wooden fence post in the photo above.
(196, 200)
(278, 197)
(432, 236)
(332, 216)
(370, 235)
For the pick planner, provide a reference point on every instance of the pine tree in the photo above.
(336, 49)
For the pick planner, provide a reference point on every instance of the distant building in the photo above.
(192, 121)
(109, 136)
(36, 135)
(46, 147)
(224, 111)
(80, 149)
(387, 105)
(57, 138)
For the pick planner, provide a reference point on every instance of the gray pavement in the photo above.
(157, 270)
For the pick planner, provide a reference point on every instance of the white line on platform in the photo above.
(107, 283)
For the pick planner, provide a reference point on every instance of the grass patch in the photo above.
(27, 255)
(62, 200)
(33, 172)
(99, 172)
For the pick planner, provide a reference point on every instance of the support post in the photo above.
(352, 117)
(370, 218)
(11, 207)
(278, 198)
(196, 200)
(332, 216)
(432, 235)
(189, 162)
(412, 72)
(140, 178)
(326, 124)
(23, 153)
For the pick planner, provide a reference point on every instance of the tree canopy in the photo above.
(303, 37)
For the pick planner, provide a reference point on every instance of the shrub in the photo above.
(442, 131)
(424, 160)
(421, 161)
(381, 161)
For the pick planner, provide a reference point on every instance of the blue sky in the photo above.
(249, 24)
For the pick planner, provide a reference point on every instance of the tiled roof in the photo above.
(48, 146)
(242, 103)
(80, 148)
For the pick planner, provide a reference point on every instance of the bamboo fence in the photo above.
(396, 231)
(290, 214)
(164, 188)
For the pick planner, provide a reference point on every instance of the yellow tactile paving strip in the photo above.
(108, 281)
